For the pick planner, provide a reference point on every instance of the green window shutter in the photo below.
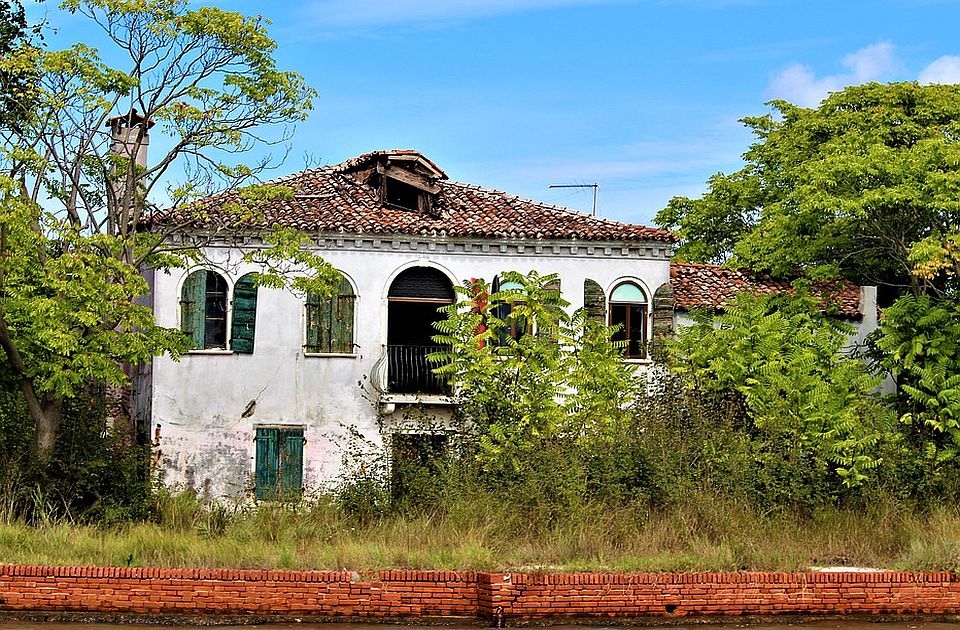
(324, 316)
(291, 460)
(330, 321)
(551, 287)
(341, 334)
(244, 315)
(313, 329)
(267, 463)
(193, 300)
(593, 300)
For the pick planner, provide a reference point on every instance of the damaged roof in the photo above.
(698, 286)
(338, 199)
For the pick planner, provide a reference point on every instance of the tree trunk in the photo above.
(46, 415)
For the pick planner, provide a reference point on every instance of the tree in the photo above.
(845, 189)
(76, 200)
(783, 358)
(526, 372)
(15, 79)
(919, 343)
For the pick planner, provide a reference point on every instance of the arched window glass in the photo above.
(203, 309)
(330, 321)
(628, 310)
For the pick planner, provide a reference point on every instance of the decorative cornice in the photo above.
(427, 245)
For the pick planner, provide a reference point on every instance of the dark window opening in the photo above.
(415, 297)
(632, 320)
(215, 322)
(403, 195)
(514, 326)
(628, 309)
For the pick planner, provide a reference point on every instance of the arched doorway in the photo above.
(413, 301)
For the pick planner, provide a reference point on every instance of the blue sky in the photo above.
(640, 96)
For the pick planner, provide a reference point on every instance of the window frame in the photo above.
(304, 328)
(227, 311)
(643, 356)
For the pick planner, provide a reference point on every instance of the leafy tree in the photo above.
(783, 358)
(847, 188)
(16, 79)
(919, 342)
(558, 377)
(75, 209)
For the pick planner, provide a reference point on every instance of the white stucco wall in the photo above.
(198, 402)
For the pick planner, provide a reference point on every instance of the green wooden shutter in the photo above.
(594, 301)
(244, 315)
(551, 287)
(193, 300)
(291, 460)
(313, 330)
(341, 334)
(267, 464)
(324, 319)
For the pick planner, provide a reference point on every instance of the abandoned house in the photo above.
(279, 382)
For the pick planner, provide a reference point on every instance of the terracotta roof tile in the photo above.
(330, 199)
(713, 287)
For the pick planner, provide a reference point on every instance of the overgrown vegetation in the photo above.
(740, 458)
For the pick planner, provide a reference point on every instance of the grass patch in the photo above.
(709, 534)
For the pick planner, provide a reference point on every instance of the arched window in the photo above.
(514, 326)
(203, 309)
(628, 309)
(330, 321)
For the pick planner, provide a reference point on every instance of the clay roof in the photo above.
(333, 199)
(713, 287)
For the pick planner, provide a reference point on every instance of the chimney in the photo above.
(123, 136)
(129, 138)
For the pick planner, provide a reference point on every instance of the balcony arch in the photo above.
(414, 298)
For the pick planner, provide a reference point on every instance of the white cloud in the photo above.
(799, 85)
(369, 13)
(946, 69)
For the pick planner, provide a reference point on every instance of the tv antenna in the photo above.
(594, 185)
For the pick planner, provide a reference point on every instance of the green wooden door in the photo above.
(279, 462)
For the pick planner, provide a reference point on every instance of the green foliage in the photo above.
(96, 474)
(70, 307)
(76, 215)
(784, 360)
(557, 379)
(845, 188)
(919, 341)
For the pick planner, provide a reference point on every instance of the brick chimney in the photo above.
(129, 138)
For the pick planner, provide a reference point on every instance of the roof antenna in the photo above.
(594, 185)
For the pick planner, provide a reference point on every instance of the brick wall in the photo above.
(470, 594)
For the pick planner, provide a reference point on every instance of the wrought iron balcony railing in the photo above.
(409, 371)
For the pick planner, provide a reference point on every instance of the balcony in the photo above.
(404, 375)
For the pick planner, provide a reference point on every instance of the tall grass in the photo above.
(702, 534)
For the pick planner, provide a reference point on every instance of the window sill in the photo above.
(331, 355)
(639, 361)
(213, 351)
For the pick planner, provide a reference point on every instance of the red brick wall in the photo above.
(453, 593)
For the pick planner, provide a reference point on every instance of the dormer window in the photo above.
(404, 179)
(405, 196)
